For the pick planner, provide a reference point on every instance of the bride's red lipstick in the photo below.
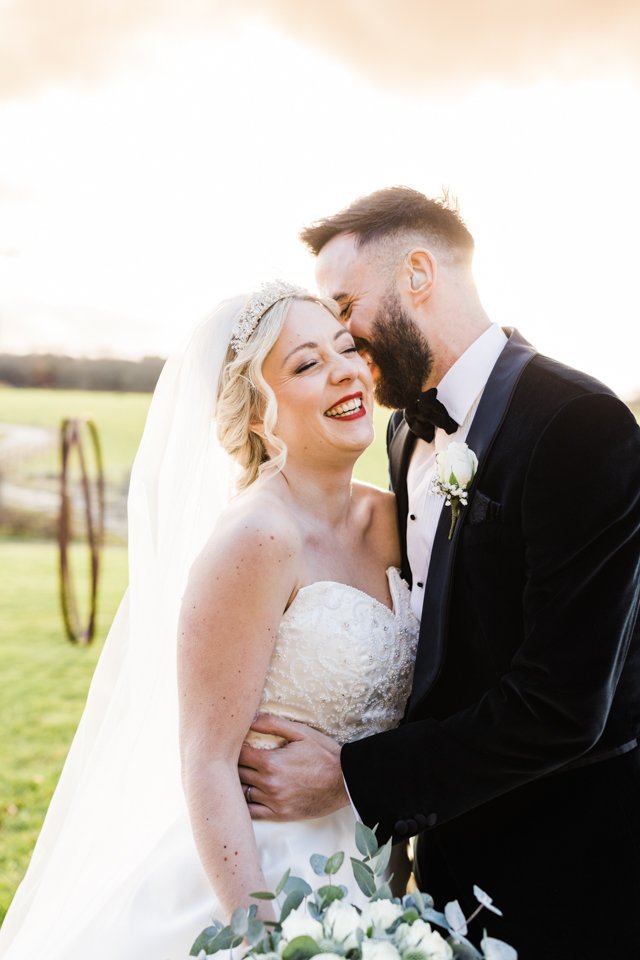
(360, 412)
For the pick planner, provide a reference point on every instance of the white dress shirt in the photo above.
(460, 391)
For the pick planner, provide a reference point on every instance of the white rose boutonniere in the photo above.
(456, 465)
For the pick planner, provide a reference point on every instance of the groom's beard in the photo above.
(400, 351)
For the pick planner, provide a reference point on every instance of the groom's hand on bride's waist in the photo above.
(299, 780)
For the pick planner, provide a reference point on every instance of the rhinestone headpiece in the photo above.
(256, 307)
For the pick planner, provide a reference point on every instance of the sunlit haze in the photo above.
(144, 178)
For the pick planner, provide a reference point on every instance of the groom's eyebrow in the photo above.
(310, 344)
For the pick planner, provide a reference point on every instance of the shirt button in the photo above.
(419, 584)
(412, 516)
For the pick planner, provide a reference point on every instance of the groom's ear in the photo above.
(420, 270)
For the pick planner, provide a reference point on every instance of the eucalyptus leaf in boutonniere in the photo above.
(456, 466)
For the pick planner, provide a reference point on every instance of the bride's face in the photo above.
(323, 388)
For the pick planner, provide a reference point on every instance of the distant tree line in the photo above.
(79, 373)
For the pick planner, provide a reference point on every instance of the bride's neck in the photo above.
(326, 494)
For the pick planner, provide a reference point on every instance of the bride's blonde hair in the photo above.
(246, 399)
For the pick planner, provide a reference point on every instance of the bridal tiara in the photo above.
(256, 307)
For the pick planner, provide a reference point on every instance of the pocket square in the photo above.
(482, 509)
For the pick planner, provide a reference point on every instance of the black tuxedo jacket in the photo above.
(529, 652)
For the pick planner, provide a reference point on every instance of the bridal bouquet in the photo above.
(323, 925)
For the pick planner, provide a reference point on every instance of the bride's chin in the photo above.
(356, 431)
(352, 432)
(355, 446)
(331, 444)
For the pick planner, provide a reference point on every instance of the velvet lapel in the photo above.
(400, 450)
(491, 412)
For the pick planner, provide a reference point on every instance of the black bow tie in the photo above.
(426, 413)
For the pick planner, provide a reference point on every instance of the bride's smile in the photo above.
(348, 408)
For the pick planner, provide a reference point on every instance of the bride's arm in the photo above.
(237, 592)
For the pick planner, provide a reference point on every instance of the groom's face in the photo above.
(385, 332)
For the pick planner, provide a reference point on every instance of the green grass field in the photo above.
(44, 685)
(119, 418)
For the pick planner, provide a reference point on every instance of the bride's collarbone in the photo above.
(356, 552)
(348, 564)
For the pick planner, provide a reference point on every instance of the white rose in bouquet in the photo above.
(421, 938)
(437, 947)
(378, 915)
(300, 924)
(379, 950)
(340, 923)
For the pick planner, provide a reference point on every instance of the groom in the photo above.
(517, 765)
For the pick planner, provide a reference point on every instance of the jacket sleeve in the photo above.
(580, 516)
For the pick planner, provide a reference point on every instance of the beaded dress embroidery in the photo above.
(343, 661)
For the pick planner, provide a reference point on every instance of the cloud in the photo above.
(393, 42)
(413, 41)
(69, 40)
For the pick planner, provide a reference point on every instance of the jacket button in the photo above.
(432, 819)
(412, 827)
(401, 828)
(421, 821)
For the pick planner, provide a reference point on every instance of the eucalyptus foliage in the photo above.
(321, 923)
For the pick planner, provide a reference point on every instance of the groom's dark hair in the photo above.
(391, 212)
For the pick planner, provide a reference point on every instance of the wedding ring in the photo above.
(247, 794)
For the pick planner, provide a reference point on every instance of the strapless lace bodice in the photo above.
(343, 661)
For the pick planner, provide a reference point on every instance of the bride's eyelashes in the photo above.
(307, 365)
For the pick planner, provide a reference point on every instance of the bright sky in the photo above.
(133, 197)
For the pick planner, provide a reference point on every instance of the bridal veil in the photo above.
(121, 787)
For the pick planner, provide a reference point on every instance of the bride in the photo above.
(265, 577)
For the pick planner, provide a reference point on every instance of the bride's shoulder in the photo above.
(378, 513)
(256, 531)
(260, 510)
(378, 501)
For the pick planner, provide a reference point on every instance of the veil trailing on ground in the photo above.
(121, 787)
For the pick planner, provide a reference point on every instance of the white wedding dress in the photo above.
(343, 664)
